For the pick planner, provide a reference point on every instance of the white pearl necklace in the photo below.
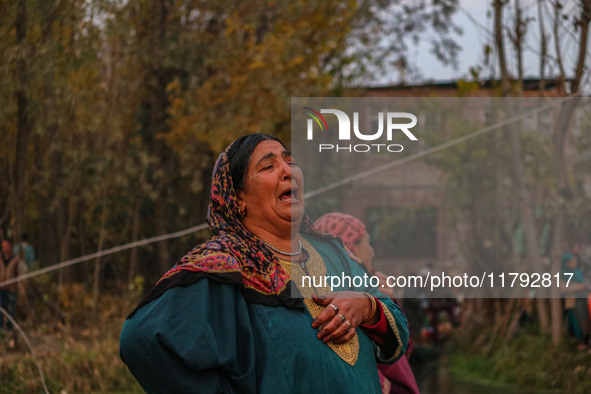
(282, 252)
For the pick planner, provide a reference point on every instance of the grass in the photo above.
(78, 353)
(529, 361)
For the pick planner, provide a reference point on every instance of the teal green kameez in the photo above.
(205, 338)
(224, 320)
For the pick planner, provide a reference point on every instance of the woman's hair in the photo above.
(240, 153)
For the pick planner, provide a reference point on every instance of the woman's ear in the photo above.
(241, 205)
(240, 201)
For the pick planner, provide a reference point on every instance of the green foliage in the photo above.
(530, 361)
(77, 354)
(466, 87)
(127, 104)
(261, 59)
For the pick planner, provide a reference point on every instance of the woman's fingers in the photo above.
(327, 314)
(342, 331)
(342, 316)
(334, 328)
(346, 337)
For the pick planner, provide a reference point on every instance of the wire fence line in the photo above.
(438, 148)
(311, 194)
(105, 252)
(19, 329)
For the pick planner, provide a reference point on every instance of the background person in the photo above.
(582, 264)
(224, 319)
(25, 251)
(576, 306)
(398, 377)
(8, 270)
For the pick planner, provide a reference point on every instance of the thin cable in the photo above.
(105, 252)
(3, 311)
(311, 194)
(437, 148)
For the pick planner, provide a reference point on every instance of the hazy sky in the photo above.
(477, 26)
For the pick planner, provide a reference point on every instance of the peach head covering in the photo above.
(346, 227)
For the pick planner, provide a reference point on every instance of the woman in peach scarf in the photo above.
(397, 377)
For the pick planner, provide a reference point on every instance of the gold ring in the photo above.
(342, 317)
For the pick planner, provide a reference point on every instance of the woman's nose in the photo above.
(286, 171)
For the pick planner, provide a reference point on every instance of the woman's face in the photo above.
(365, 251)
(273, 189)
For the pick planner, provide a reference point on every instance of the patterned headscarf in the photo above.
(234, 254)
(347, 227)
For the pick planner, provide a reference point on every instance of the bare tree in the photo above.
(523, 197)
(564, 191)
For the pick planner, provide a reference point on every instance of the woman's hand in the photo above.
(344, 312)
(383, 285)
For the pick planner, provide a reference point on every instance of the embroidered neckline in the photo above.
(314, 266)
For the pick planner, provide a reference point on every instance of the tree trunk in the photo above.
(23, 123)
(505, 78)
(543, 51)
(97, 265)
(133, 257)
(524, 204)
(160, 127)
(66, 218)
(519, 34)
(555, 30)
(163, 247)
(565, 192)
(523, 200)
(584, 24)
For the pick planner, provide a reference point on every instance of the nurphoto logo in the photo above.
(394, 122)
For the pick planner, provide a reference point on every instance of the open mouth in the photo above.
(290, 195)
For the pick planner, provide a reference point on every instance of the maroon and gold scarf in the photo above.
(234, 254)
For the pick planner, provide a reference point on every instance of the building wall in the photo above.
(416, 184)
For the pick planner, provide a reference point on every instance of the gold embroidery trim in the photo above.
(392, 323)
(315, 267)
(348, 351)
